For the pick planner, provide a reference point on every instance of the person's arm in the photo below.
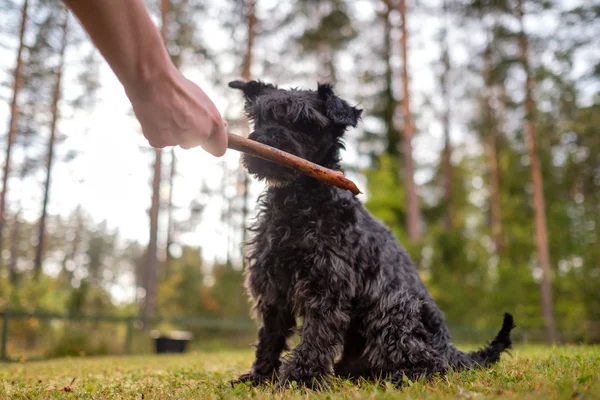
(171, 109)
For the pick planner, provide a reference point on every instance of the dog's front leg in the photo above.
(324, 298)
(277, 325)
(312, 360)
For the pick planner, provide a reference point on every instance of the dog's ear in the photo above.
(251, 89)
(336, 109)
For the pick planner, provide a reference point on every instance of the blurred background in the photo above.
(479, 147)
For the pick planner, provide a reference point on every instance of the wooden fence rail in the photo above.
(131, 321)
(471, 334)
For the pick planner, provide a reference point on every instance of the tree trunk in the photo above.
(246, 75)
(226, 212)
(164, 11)
(538, 184)
(151, 273)
(447, 152)
(250, 36)
(15, 239)
(171, 223)
(14, 119)
(393, 137)
(56, 95)
(173, 170)
(495, 207)
(326, 64)
(492, 153)
(14, 249)
(412, 201)
(75, 243)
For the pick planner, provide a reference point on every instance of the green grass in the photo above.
(529, 372)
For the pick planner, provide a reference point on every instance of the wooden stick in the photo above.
(335, 178)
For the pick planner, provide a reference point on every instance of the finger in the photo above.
(216, 144)
(161, 140)
(191, 140)
(189, 145)
(157, 146)
(161, 144)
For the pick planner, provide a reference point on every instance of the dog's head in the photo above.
(309, 124)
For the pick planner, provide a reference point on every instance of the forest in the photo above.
(479, 147)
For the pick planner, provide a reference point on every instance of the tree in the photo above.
(170, 211)
(15, 239)
(539, 206)
(77, 236)
(446, 97)
(492, 99)
(383, 143)
(101, 253)
(412, 200)
(389, 101)
(329, 30)
(54, 110)
(184, 48)
(251, 24)
(151, 271)
(14, 117)
(490, 126)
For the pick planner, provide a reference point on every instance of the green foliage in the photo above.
(188, 292)
(229, 292)
(46, 294)
(386, 195)
(183, 292)
(334, 30)
(75, 340)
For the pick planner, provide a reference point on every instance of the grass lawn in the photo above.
(529, 372)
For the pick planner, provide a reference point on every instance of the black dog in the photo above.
(317, 254)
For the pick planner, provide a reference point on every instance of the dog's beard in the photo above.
(272, 174)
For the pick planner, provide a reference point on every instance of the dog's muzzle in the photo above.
(274, 174)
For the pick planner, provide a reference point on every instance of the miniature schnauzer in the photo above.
(318, 255)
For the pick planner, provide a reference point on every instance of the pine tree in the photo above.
(151, 270)
(539, 206)
(328, 31)
(412, 199)
(185, 49)
(54, 110)
(447, 181)
(15, 237)
(14, 118)
(491, 101)
(492, 149)
(390, 103)
(251, 24)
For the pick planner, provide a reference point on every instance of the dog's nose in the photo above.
(266, 135)
(258, 137)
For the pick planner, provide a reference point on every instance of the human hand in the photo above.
(173, 111)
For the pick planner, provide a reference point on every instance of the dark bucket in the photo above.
(173, 342)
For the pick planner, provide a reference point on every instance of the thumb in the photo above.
(216, 143)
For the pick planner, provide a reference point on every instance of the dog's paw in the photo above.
(299, 378)
(252, 379)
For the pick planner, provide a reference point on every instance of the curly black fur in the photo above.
(317, 254)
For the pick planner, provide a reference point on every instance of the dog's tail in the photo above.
(489, 354)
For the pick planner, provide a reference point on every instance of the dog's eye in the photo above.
(281, 112)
